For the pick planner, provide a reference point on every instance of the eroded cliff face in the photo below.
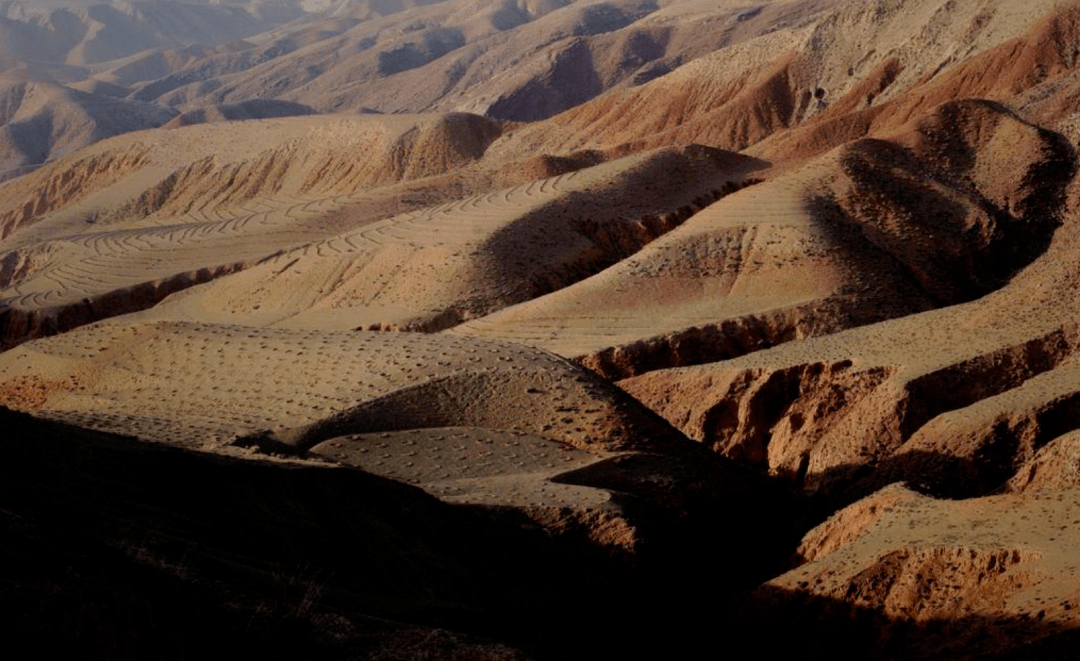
(825, 425)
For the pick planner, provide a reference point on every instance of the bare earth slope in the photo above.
(511, 60)
(431, 269)
(829, 408)
(838, 74)
(282, 385)
(903, 576)
(803, 270)
(169, 212)
(763, 266)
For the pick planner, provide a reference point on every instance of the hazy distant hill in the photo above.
(81, 32)
(508, 59)
(42, 121)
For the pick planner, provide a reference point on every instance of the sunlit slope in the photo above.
(431, 269)
(843, 71)
(982, 578)
(960, 397)
(133, 219)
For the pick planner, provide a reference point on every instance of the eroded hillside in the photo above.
(586, 309)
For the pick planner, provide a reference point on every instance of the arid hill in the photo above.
(904, 576)
(507, 59)
(86, 32)
(41, 121)
(566, 329)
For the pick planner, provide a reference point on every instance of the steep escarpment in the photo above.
(826, 424)
(1030, 71)
(861, 58)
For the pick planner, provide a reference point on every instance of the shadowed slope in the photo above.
(944, 213)
(40, 122)
(100, 531)
(471, 422)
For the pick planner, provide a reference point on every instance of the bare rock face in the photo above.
(825, 424)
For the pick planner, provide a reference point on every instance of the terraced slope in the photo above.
(430, 269)
(944, 211)
(120, 227)
(197, 385)
(765, 265)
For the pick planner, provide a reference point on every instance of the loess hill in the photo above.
(509, 330)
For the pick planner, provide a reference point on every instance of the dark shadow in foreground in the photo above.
(780, 623)
(115, 548)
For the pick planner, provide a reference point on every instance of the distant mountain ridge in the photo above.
(77, 32)
(41, 121)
